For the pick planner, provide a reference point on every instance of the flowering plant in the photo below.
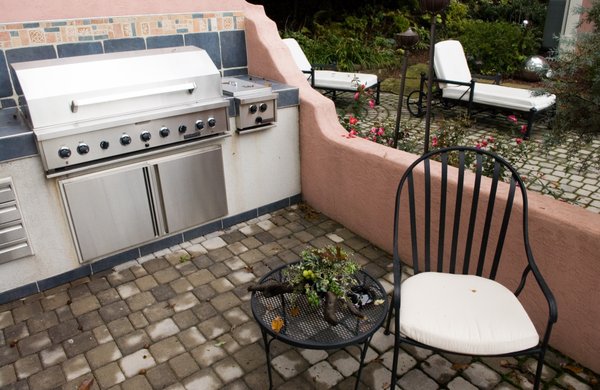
(329, 269)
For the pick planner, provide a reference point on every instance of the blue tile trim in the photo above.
(114, 260)
(31, 25)
(235, 219)
(203, 230)
(274, 206)
(18, 146)
(161, 244)
(164, 41)
(295, 199)
(51, 29)
(233, 49)
(65, 277)
(235, 72)
(18, 293)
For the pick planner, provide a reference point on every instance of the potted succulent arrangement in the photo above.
(325, 277)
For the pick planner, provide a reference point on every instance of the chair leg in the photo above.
(377, 92)
(389, 318)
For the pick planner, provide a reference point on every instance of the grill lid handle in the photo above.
(75, 104)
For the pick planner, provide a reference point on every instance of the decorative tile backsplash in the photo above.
(220, 34)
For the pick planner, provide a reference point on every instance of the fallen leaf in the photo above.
(219, 343)
(378, 302)
(460, 367)
(86, 384)
(573, 369)
(295, 311)
(277, 324)
(142, 371)
(249, 268)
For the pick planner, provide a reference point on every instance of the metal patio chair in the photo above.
(453, 302)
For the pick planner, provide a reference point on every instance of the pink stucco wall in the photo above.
(353, 181)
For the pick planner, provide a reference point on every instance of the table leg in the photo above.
(363, 353)
(268, 354)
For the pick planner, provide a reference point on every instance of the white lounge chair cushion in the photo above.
(464, 314)
(450, 63)
(500, 96)
(329, 79)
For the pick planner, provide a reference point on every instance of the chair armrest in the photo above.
(311, 78)
(497, 78)
(466, 84)
(332, 66)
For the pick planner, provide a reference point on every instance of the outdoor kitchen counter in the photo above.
(18, 141)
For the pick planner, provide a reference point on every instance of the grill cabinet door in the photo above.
(192, 187)
(109, 211)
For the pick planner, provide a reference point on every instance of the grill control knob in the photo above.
(212, 122)
(83, 148)
(182, 129)
(104, 145)
(253, 109)
(125, 139)
(145, 136)
(263, 107)
(200, 124)
(164, 131)
(64, 152)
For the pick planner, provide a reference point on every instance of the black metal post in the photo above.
(400, 98)
(429, 83)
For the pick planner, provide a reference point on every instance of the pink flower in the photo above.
(519, 141)
(381, 131)
(524, 129)
(478, 146)
(491, 139)
(484, 143)
(353, 120)
(372, 103)
(373, 130)
(434, 141)
(357, 96)
(512, 118)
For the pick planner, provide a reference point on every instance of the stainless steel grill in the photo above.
(88, 109)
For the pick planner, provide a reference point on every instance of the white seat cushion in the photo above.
(464, 314)
(500, 96)
(329, 79)
(450, 63)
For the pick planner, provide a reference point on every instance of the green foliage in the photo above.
(576, 84)
(323, 270)
(496, 47)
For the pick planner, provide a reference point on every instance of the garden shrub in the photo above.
(496, 47)
(576, 84)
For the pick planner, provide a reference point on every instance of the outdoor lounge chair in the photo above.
(331, 80)
(457, 84)
(465, 293)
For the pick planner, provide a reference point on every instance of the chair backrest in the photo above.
(450, 63)
(469, 226)
(298, 55)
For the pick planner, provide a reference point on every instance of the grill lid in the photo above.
(77, 89)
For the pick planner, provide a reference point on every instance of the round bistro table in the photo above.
(306, 327)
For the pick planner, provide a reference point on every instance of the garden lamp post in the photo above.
(432, 7)
(406, 40)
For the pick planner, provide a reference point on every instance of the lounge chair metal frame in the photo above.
(326, 84)
(416, 100)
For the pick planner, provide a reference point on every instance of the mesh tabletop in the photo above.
(307, 328)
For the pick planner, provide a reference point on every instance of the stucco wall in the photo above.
(353, 180)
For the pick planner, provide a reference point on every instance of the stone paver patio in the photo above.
(181, 319)
(547, 173)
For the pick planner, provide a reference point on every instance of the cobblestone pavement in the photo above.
(548, 173)
(181, 319)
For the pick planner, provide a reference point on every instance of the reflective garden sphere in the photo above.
(535, 68)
